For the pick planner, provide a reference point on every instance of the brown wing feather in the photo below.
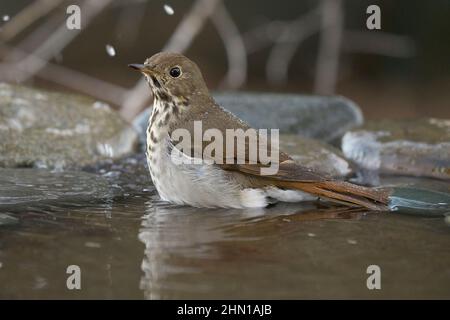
(213, 116)
(289, 175)
(293, 176)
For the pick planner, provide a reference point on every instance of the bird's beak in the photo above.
(140, 67)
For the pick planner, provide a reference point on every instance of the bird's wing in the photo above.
(215, 117)
(288, 175)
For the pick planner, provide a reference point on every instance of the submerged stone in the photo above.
(419, 201)
(317, 155)
(408, 147)
(323, 118)
(6, 220)
(57, 130)
(21, 187)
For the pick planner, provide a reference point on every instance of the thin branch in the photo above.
(234, 46)
(26, 17)
(263, 35)
(57, 41)
(329, 47)
(191, 25)
(39, 34)
(137, 97)
(287, 44)
(70, 78)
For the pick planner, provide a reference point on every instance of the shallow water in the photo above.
(130, 245)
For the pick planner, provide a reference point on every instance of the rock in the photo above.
(56, 130)
(419, 201)
(21, 187)
(391, 181)
(7, 220)
(323, 118)
(316, 155)
(408, 147)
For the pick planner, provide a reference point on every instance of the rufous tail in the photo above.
(342, 192)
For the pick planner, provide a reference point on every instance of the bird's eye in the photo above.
(175, 72)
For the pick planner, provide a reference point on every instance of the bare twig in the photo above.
(287, 44)
(234, 46)
(137, 97)
(39, 34)
(26, 17)
(72, 79)
(59, 40)
(191, 25)
(329, 47)
(261, 36)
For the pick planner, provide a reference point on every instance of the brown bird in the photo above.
(182, 99)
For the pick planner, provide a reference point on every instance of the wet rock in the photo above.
(323, 118)
(317, 155)
(21, 187)
(7, 220)
(392, 181)
(419, 201)
(409, 147)
(55, 130)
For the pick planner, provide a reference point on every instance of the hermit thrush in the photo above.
(182, 99)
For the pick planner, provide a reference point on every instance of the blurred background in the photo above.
(307, 46)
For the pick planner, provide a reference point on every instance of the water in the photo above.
(169, 10)
(130, 245)
(110, 50)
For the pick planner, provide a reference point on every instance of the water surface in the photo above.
(128, 244)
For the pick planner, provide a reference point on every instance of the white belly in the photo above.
(199, 185)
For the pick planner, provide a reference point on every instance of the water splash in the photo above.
(168, 9)
(110, 50)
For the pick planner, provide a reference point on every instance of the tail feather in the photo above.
(342, 192)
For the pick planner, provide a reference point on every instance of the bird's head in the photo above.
(172, 76)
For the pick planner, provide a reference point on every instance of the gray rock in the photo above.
(55, 130)
(323, 118)
(7, 220)
(419, 201)
(409, 147)
(317, 155)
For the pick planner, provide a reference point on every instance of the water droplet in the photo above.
(311, 234)
(110, 50)
(92, 244)
(5, 18)
(169, 10)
